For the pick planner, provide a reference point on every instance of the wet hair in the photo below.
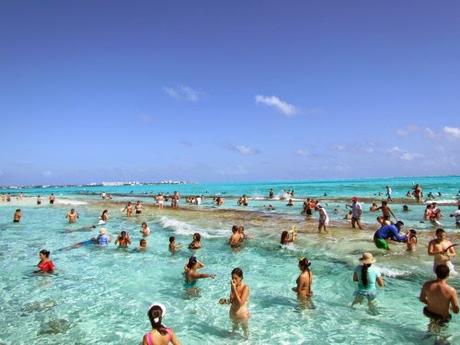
(439, 231)
(123, 233)
(304, 263)
(192, 261)
(235, 228)
(155, 315)
(442, 271)
(142, 241)
(172, 239)
(103, 212)
(238, 272)
(45, 252)
(384, 202)
(18, 210)
(413, 232)
(72, 209)
(284, 236)
(144, 223)
(364, 277)
(197, 236)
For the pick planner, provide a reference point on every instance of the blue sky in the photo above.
(213, 91)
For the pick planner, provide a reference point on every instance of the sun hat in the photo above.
(103, 231)
(354, 199)
(159, 305)
(367, 258)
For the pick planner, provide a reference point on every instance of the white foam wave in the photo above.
(183, 228)
(393, 272)
(70, 202)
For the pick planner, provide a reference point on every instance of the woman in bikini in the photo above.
(159, 335)
(304, 282)
(239, 298)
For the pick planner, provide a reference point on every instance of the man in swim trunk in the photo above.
(439, 297)
(442, 249)
(388, 232)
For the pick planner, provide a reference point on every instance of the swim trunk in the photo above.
(381, 243)
(448, 264)
(355, 219)
(15, 221)
(360, 295)
(51, 202)
(138, 211)
(441, 320)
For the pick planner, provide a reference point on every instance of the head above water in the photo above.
(304, 263)
(156, 313)
(399, 224)
(192, 261)
(172, 239)
(196, 236)
(45, 252)
(442, 271)
(367, 259)
(237, 273)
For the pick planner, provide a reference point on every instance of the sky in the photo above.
(227, 91)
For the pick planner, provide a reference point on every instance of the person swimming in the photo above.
(105, 216)
(142, 245)
(236, 238)
(239, 299)
(159, 335)
(17, 216)
(288, 237)
(173, 246)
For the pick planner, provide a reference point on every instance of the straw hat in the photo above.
(367, 258)
(103, 231)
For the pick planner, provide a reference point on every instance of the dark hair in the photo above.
(364, 274)
(142, 241)
(197, 236)
(172, 239)
(144, 223)
(18, 210)
(413, 232)
(45, 252)
(304, 263)
(238, 271)
(284, 236)
(192, 261)
(123, 233)
(384, 202)
(155, 315)
(235, 228)
(442, 271)
(439, 231)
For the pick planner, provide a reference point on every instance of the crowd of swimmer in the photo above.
(438, 296)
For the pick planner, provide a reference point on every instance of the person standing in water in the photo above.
(368, 277)
(191, 270)
(442, 249)
(386, 210)
(129, 209)
(52, 198)
(45, 265)
(456, 214)
(304, 283)
(17, 216)
(323, 221)
(138, 207)
(159, 335)
(105, 216)
(239, 299)
(72, 216)
(389, 192)
(439, 297)
(356, 212)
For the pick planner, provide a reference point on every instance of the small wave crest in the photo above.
(183, 228)
(70, 202)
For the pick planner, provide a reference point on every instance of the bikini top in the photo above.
(150, 336)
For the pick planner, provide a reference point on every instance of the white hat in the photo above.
(161, 306)
(102, 231)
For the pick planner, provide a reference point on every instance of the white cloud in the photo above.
(452, 132)
(275, 102)
(403, 154)
(244, 150)
(183, 92)
(302, 152)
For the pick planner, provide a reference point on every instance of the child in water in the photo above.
(142, 245)
(411, 240)
(45, 264)
(123, 240)
(173, 246)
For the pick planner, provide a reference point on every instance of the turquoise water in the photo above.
(100, 296)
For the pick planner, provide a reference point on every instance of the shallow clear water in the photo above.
(101, 295)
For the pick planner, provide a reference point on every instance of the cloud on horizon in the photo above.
(275, 102)
(183, 92)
